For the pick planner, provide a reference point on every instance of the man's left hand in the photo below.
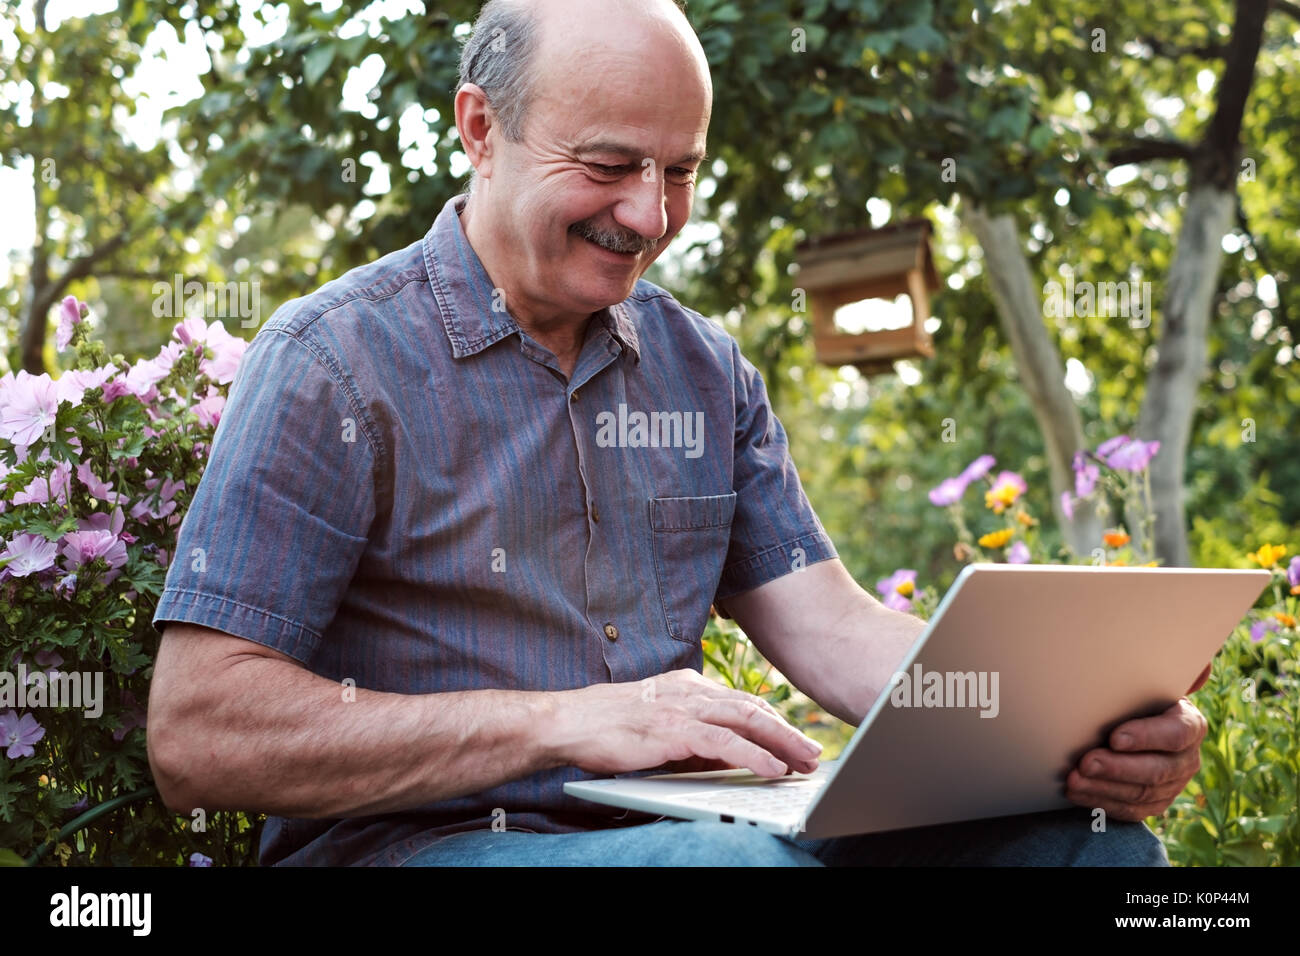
(1149, 762)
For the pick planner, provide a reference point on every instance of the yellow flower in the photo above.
(1151, 564)
(1268, 554)
(1000, 497)
(1121, 563)
(1026, 519)
(1115, 539)
(996, 539)
(905, 588)
(1286, 619)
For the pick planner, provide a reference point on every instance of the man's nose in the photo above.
(642, 206)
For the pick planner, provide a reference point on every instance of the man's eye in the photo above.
(685, 175)
(608, 170)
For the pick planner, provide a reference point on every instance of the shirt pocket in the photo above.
(691, 538)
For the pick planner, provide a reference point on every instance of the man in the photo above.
(469, 505)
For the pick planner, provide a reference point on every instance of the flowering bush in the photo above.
(97, 468)
(1241, 808)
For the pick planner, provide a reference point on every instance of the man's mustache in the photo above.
(615, 240)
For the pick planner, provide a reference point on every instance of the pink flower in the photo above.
(40, 490)
(1018, 553)
(209, 408)
(102, 522)
(102, 490)
(27, 407)
(1085, 475)
(71, 312)
(29, 553)
(1067, 506)
(227, 352)
(82, 547)
(19, 733)
(73, 385)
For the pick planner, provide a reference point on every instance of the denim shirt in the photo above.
(406, 493)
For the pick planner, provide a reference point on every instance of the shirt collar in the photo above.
(466, 297)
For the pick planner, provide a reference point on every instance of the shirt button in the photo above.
(595, 513)
(574, 396)
(611, 632)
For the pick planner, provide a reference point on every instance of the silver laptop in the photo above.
(1021, 670)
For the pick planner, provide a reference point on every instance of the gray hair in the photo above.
(498, 57)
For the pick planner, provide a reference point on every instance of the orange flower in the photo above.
(1121, 563)
(1026, 519)
(1151, 564)
(1115, 539)
(996, 539)
(1268, 554)
(1286, 619)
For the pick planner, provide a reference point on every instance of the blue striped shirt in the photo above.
(404, 490)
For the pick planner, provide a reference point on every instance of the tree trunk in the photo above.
(1169, 404)
(1020, 312)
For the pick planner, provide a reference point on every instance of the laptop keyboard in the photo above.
(782, 799)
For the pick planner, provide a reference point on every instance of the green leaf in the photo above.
(10, 858)
(316, 62)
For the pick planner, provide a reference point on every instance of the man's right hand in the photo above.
(677, 716)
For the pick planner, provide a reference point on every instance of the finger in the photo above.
(1179, 727)
(716, 742)
(1121, 811)
(1120, 791)
(1200, 681)
(765, 729)
(1150, 767)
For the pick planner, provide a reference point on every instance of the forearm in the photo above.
(864, 649)
(273, 737)
(832, 639)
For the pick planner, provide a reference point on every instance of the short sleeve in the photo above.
(280, 519)
(775, 530)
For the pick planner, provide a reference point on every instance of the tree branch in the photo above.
(1140, 150)
(1282, 6)
(1210, 51)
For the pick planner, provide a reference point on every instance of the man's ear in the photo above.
(475, 120)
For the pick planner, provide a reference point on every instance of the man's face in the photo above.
(603, 178)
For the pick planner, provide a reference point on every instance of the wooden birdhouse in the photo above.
(839, 270)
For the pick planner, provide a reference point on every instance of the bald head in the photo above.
(519, 48)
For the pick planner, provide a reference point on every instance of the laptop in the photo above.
(1021, 670)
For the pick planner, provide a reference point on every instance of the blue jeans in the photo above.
(1054, 838)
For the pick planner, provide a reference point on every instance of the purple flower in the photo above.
(896, 588)
(977, 469)
(949, 492)
(72, 386)
(103, 490)
(1260, 628)
(1293, 572)
(1085, 475)
(133, 715)
(19, 733)
(1067, 506)
(48, 659)
(67, 586)
(198, 859)
(29, 553)
(1109, 445)
(1134, 456)
(1018, 553)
